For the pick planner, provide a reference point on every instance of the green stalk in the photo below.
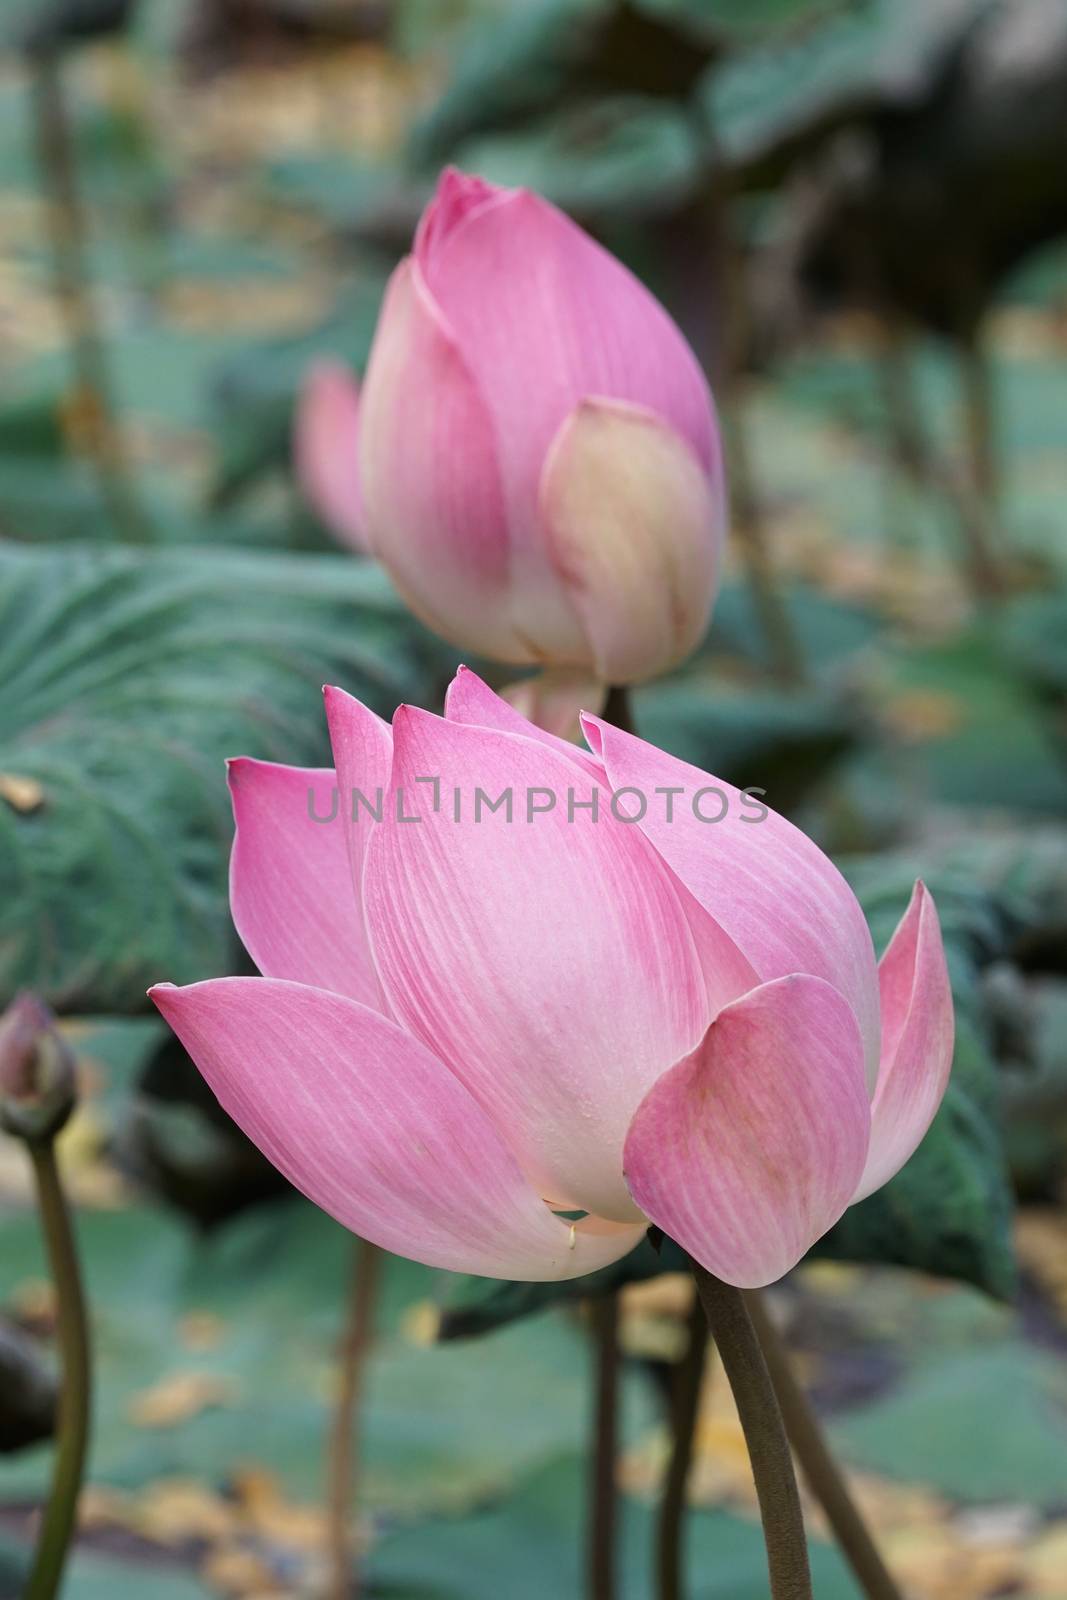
(685, 1401)
(618, 709)
(748, 517)
(66, 218)
(604, 1315)
(821, 1472)
(57, 1525)
(768, 1448)
(344, 1441)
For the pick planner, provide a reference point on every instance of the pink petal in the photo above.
(457, 195)
(326, 448)
(748, 1150)
(918, 1031)
(767, 885)
(291, 893)
(549, 962)
(431, 485)
(470, 701)
(555, 699)
(375, 1130)
(545, 316)
(634, 528)
(363, 756)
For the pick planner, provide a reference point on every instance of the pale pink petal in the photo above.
(767, 885)
(545, 316)
(549, 962)
(470, 701)
(375, 1130)
(748, 1150)
(431, 486)
(326, 447)
(363, 757)
(918, 1031)
(634, 527)
(291, 893)
(555, 699)
(457, 195)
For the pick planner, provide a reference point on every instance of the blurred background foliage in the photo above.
(857, 211)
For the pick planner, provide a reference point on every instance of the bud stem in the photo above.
(344, 1441)
(72, 1432)
(734, 318)
(66, 217)
(617, 708)
(604, 1316)
(768, 1448)
(688, 1379)
(823, 1475)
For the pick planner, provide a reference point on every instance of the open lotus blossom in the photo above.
(599, 999)
(534, 455)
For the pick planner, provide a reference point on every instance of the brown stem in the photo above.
(768, 1447)
(344, 1440)
(618, 709)
(66, 217)
(748, 521)
(821, 1471)
(971, 506)
(604, 1317)
(749, 526)
(982, 485)
(72, 1427)
(979, 417)
(685, 1402)
(907, 445)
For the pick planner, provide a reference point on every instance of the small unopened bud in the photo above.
(37, 1084)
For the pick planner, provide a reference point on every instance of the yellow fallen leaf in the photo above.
(1041, 1241)
(236, 1571)
(82, 1147)
(830, 1277)
(201, 1330)
(171, 1511)
(33, 1302)
(23, 795)
(181, 1396)
(921, 714)
(1046, 1563)
(267, 1513)
(653, 1317)
(669, 1295)
(421, 1323)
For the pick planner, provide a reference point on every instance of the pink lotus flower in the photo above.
(536, 460)
(469, 1023)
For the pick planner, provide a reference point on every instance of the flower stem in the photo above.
(105, 444)
(617, 708)
(733, 317)
(72, 1430)
(344, 1441)
(768, 1447)
(685, 1401)
(823, 1475)
(604, 1316)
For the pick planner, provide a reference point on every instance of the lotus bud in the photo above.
(37, 1083)
(534, 455)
